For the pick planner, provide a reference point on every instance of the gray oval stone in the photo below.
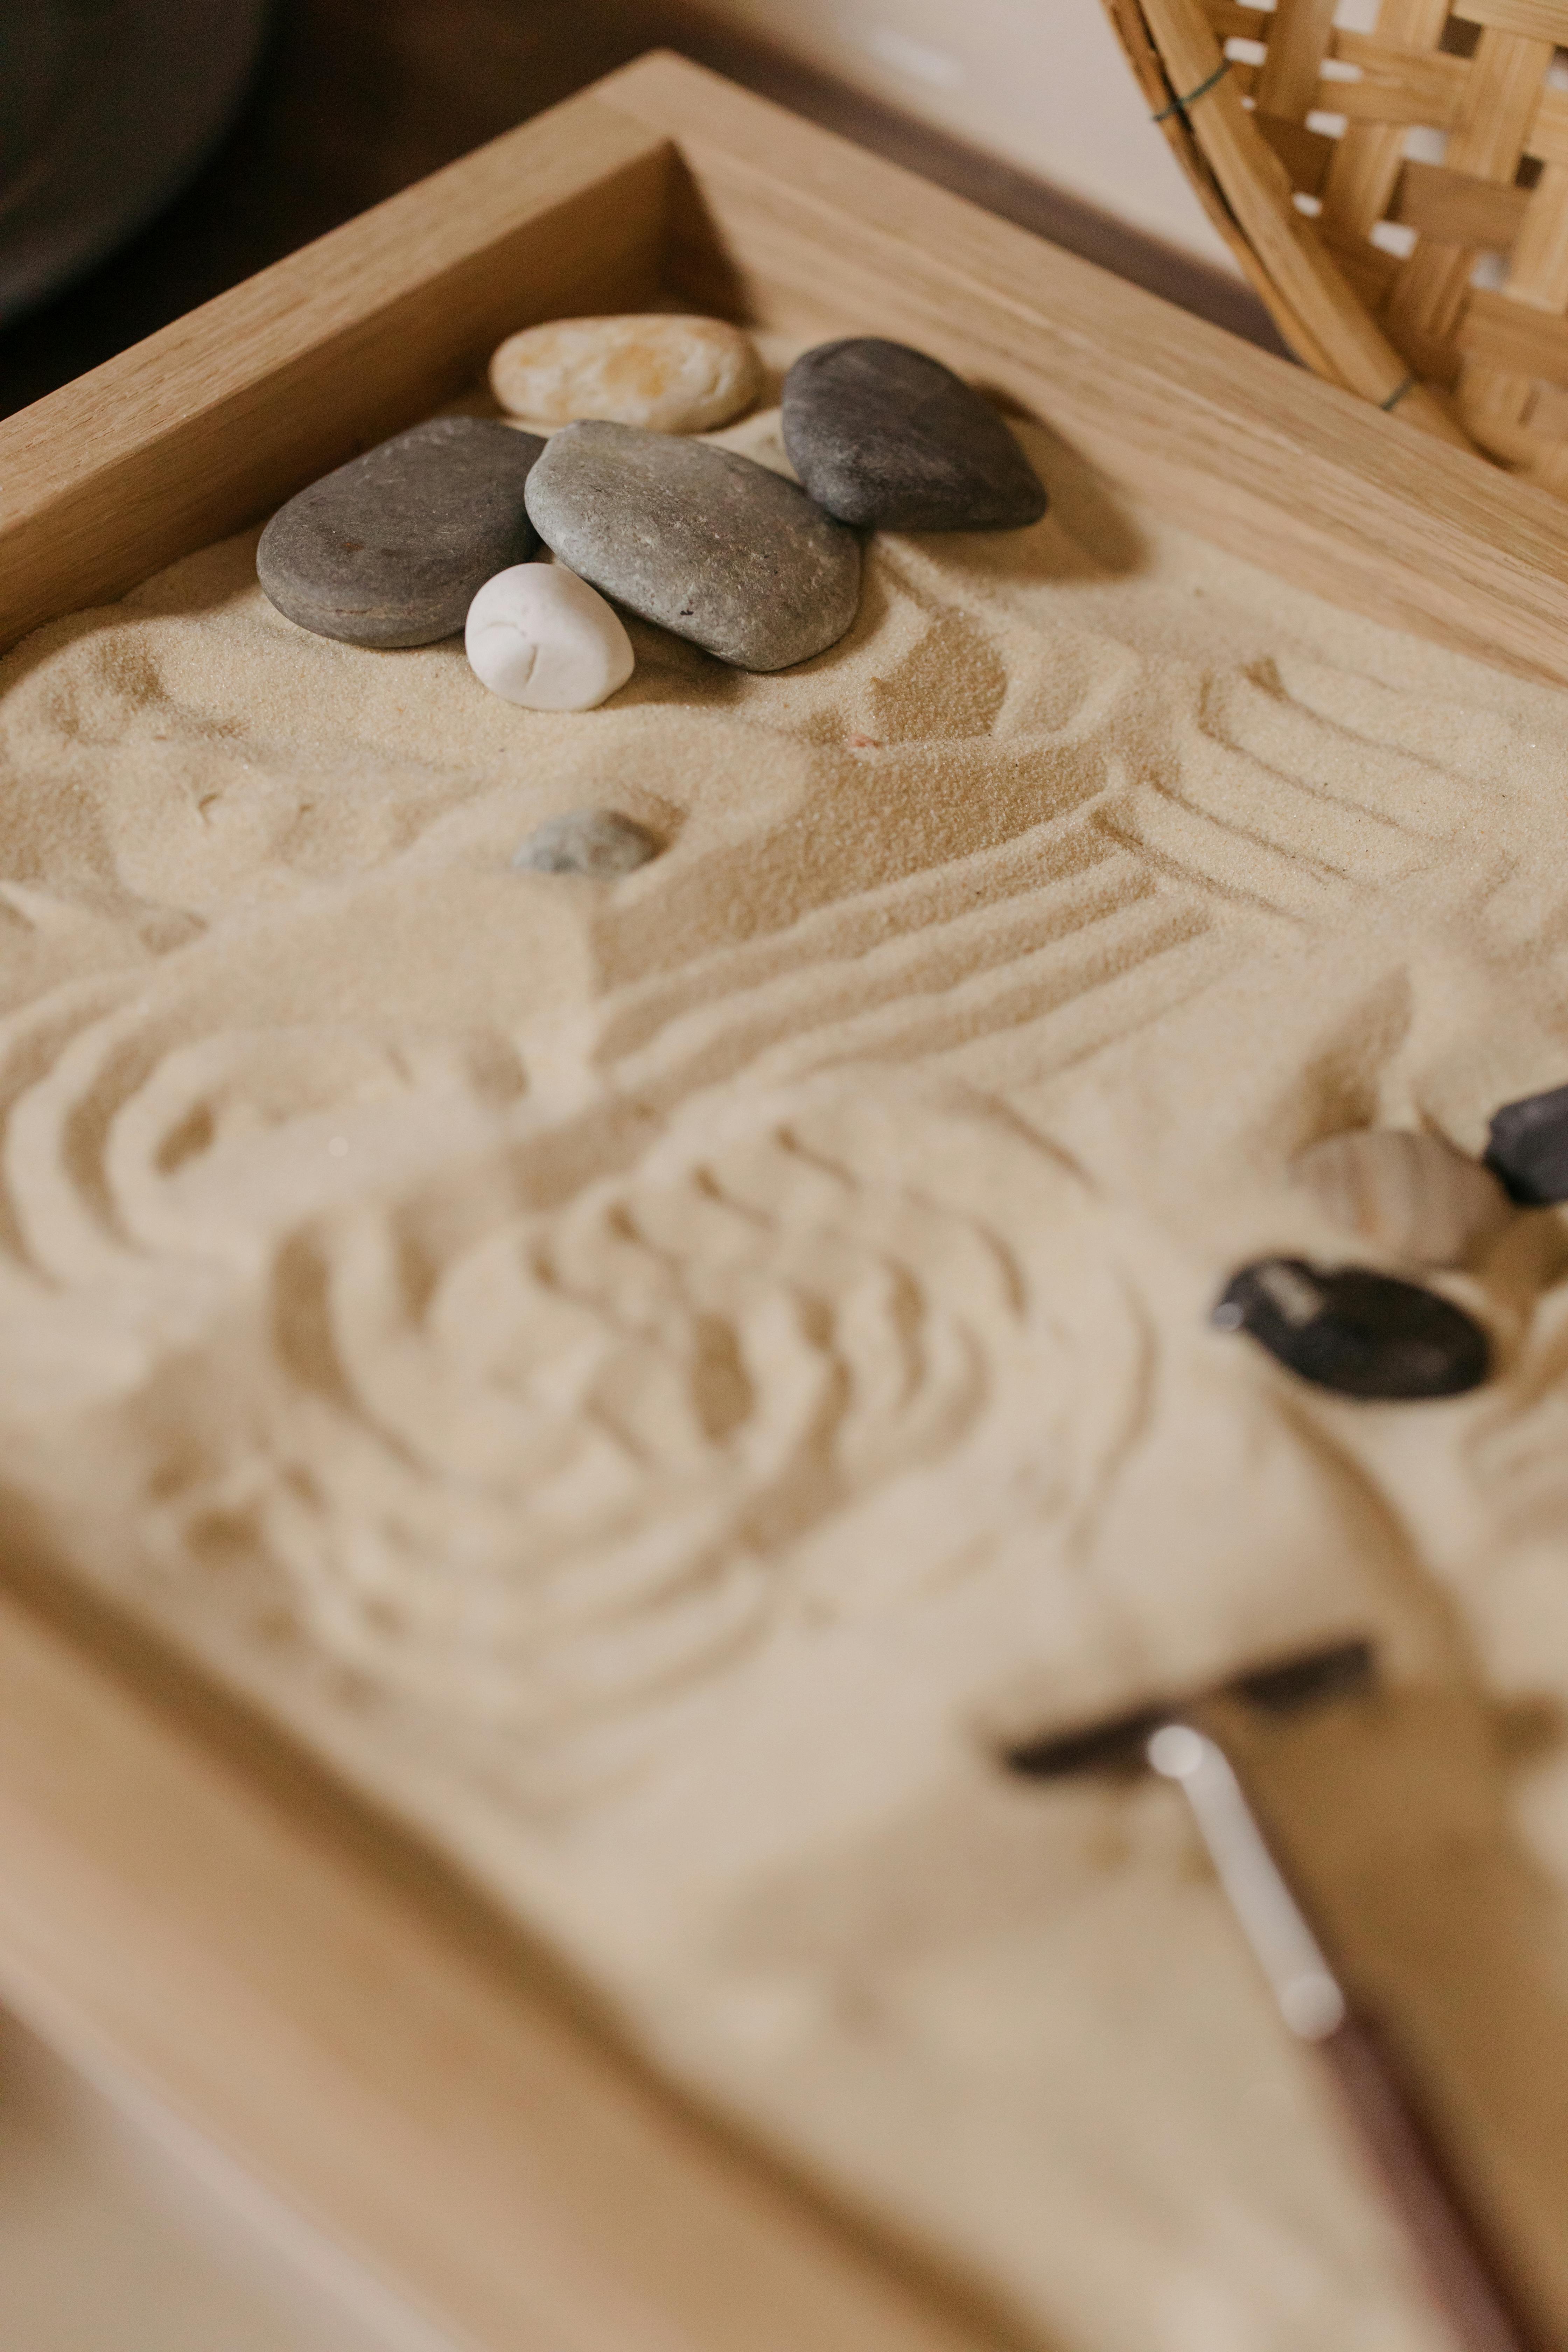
(885, 438)
(597, 842)
(392, 549)
(709, 544)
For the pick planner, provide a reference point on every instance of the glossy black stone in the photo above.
(1527, 1147)
(1362, 1333)
(392, 549)
(887, 439)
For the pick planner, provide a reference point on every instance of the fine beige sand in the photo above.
(655, 1380)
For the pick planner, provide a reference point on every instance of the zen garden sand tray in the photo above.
(197, 1895)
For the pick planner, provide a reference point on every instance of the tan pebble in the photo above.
(667, 374)
(1412, 1195)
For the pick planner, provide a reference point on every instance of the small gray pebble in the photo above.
(596, 841)
(885, 438)
(392, 549)
(706, 542)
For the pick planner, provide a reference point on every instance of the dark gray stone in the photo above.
(392, 549)
(1362, 1333)
(885, 438)
(597, 842)
(702, 540)
(1527, 1147)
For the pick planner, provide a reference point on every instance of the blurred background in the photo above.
(297, 115)
(153, 153)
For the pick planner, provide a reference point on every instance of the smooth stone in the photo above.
(715, 548)
(392, 549)
(667, 374)
(1527, 1149)
(1351, 1329)
(887, 439)
(596, 841)
(1412, 1195)
(540, 636)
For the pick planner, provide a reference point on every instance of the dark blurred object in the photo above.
(107, 108)
(357, 98)
(354, 99)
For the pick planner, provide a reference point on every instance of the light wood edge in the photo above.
(785, 223)
(181, 1910)
(206, 425)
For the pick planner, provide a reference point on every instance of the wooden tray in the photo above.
(181, 1894)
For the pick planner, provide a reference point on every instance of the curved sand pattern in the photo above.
(654, 1380)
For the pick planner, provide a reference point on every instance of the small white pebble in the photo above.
(538, 635)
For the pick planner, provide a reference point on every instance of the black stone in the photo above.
(887, 439)
(1364, 1334)
(1527, 1147)
(705, 541)
(392, 549)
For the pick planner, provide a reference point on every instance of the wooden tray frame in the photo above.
(181, 1896)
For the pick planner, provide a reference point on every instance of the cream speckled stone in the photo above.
(667, 374)
(540, 636)
(1412, 1195)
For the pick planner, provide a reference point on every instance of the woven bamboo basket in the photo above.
(1398, 196)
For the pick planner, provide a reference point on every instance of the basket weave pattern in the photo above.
(1430, 273)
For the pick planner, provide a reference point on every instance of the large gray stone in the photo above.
(392, 549)
(711, 545)
(887, 439)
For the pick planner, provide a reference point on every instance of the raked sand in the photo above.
(654, 1380)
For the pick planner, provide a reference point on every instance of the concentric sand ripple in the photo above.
(543, 1461)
